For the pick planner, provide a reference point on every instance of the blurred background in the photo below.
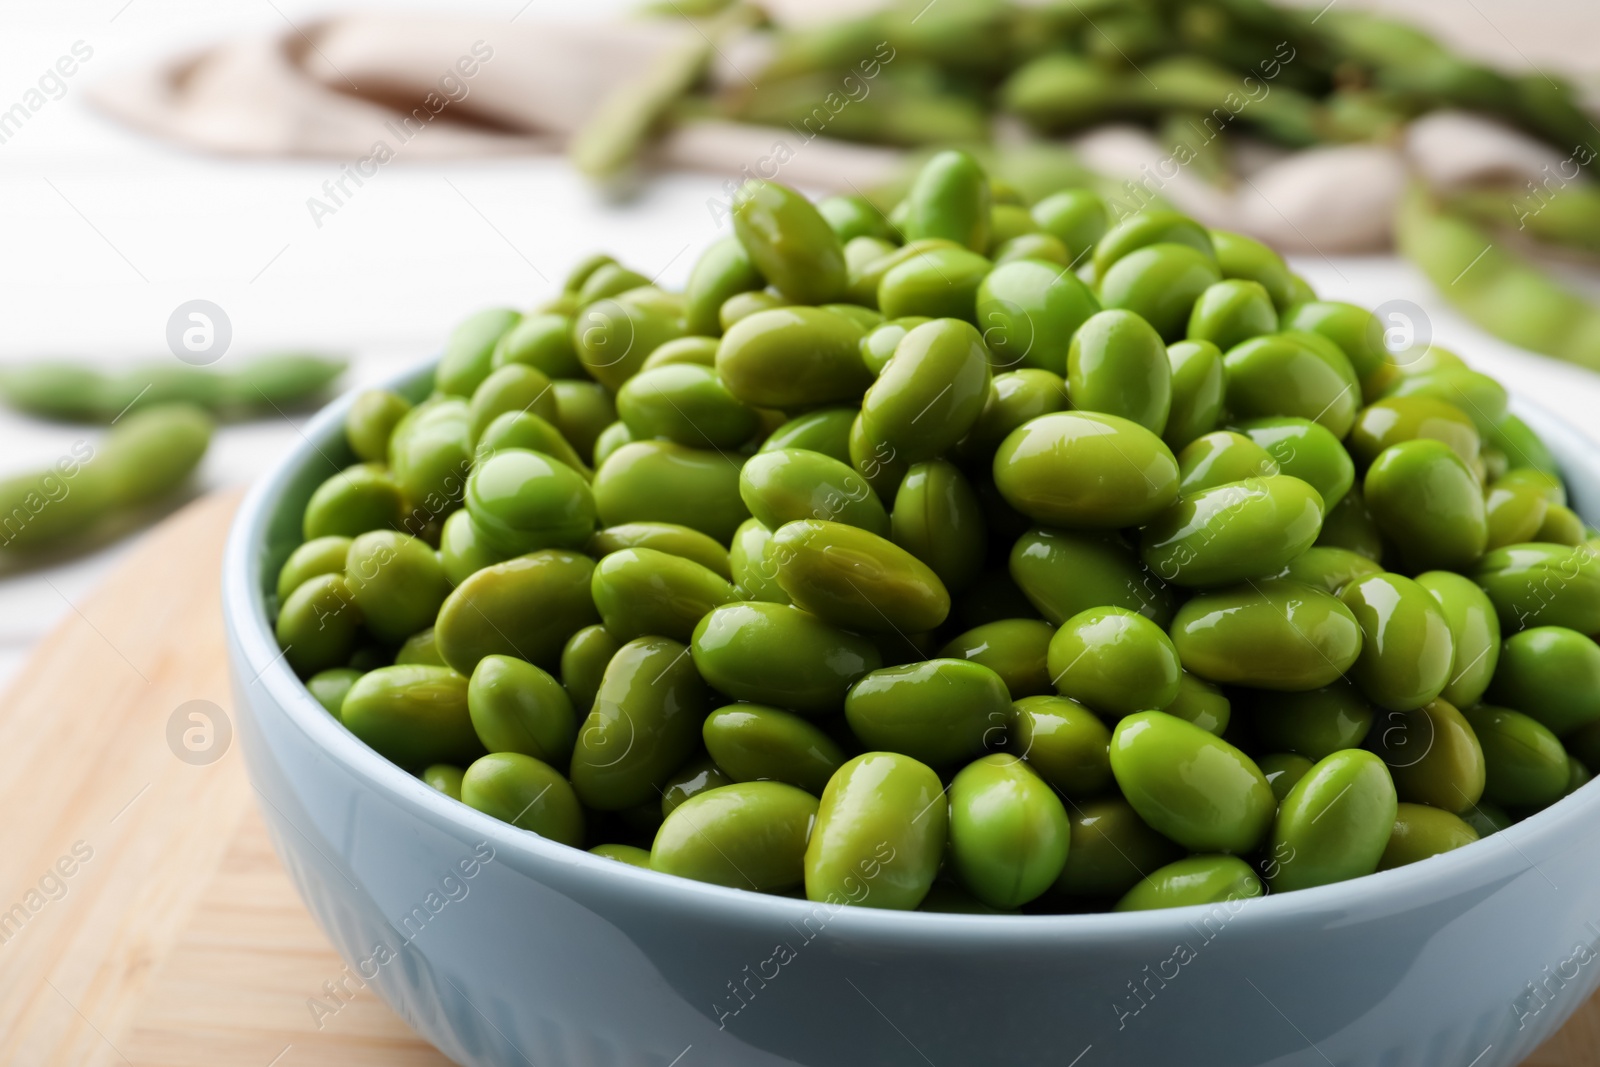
(110, 229)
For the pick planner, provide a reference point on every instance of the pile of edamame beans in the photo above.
(983, 557)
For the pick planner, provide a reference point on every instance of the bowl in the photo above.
(505, 949)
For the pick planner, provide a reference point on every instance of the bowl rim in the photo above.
(1369, 896)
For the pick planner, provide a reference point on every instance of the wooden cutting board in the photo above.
(144, 918)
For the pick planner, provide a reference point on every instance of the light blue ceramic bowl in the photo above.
(508, 950)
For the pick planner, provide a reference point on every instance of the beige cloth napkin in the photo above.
(368, 88)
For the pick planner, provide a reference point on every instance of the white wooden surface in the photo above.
(105, 232)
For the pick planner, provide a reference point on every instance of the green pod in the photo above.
(1193, 788)
(1542, 585)
(1194, 881)
(321, 555)
(671, 538)
(543, 342)
(1406, 648)
(1064, 573)
(1420, 832)
(612, 337)
(1201, 703)
(1220, 457)
(938, 519)
(690, 780)
(1231, 312)
(687, 404)
(879, 835)
(521, 501)
(1028, 311)
(1161, 283)
(357, 499)
(1355, 330)
(755, 571)
(431, 455)
(789, 242)
(1283, 770)
(463, 550)
(583, 663)
(1117, 365)
(1429, 504)
(1115, 661)
(1328, 569)
(1335, 823)
(643, 592)
(444, 777)
(514, 387)
(1015, 649)
(318, 624)
(1474, 634)
(630, 854)
(371, 421)
(751, 742)
(793, 357)
(525, 792)
(1148, 228)
(940, 283)
(1409, 418)
(583, 411)
(787, 485)
(780, 655)
(1075, 217)
(826, 431)
(1112, 851)
(1551, 674)
(1481, 397)
(331, 686)
(526, 607)
(644, 724)
(420, 647)
(397, 583)
(949, 198)
(1524, 764)
(1246, 258)
(700, 351)
(1015, 397)
(1198, 383)
(1234, 532)
(1433, 756)
(413, 715)
(1064, 742)
(658, 481)
(930, 393)
(1009, 834)
(525, 430)
(849, 577)
(516, 707)
(855, 216)
(1268, 635)
(1286, 374)
(937, 711)
(1348, 525)
(1077, 469)
(751, 835)
(723, 270)
(1308, 451)
(469, 353)
(1314, 724)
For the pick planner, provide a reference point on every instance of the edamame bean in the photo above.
(1220, 457)
(1230, 312)
(1233, 532)
(525, 430)
(787, 485)
(514, 387)
(321, 555)
(521, 501)
(849, 577)
(445, 778)
(643, 592)
(879, 834)
(1420, 832)
(1078, 469)
(1283, 770)
(1306, 450)
(413, 715)
(331, 686)
(1286, 374)
(1409, 418)
(1524, 765)
(938, 519)
(1161, 283)
(371, 421)
(793, 358)
(462, 549)
(526, 607)
(1406, 649)
(937, 711)
(658, 481)
(1315, 723)
(780, 655)
(789, 242)
(723, 270)
(469, 354)
(753, 742)
(1271, 634)
(663, 537)
(750, 835)
(318, 624)
(1029, 310)
(1191, 787)
(1429, 503)
(1433, 756)
(1542, 585)
(1148, 228)
(1063, 741)
(1117, 365)
(1335, 823)
(930, 393)
(516, 707)
(397, 583)
(1244, 257)
(583, 664)
(543, 342)
(1198, 383)
(687, 404)
(1009, 834)
(1015, 649)
(1552, 674)
(826, 431)
(1076, 217)
(1064, 573)
(690, 780)
(949, 199)
(357, 499)
(1192, 881)
(1474, 633)
(755, 572)
(937, 282)
(526, 793)
(1115, 661)
(1112, 850)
